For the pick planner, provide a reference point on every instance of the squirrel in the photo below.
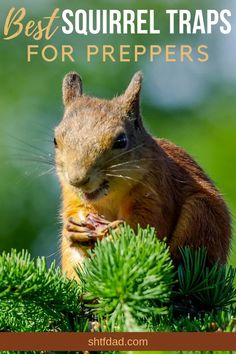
(111, 171)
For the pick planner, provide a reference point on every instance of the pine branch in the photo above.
(202, 288)
(127, 284)
(33, 298)
(128, 275)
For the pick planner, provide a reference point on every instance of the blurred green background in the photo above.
(192, 104)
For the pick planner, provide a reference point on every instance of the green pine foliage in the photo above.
(128, 278)
(202, 288)
(34, 298)
(127, 284)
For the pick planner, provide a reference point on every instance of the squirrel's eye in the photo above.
(121, 142)
(55, 142)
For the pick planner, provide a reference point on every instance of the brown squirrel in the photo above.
(112, 170)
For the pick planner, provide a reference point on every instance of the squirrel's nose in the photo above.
(76, 182)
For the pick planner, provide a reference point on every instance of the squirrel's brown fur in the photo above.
(149, 182)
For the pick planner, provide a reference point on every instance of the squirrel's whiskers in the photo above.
(134, 180)
(124, 153)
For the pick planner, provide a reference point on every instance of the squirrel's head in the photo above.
(100, 143)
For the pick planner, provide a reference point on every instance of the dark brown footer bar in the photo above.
(116, 341)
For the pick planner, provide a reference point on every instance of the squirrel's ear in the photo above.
(132, 93)
(72, 87)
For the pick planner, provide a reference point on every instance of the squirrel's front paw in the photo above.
(103, 226)
(80, 232)
(88, 231)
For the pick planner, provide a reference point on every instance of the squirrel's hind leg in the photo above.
(203, 223)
